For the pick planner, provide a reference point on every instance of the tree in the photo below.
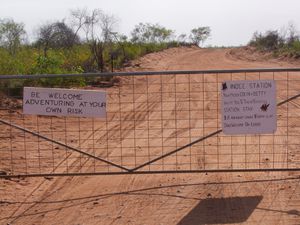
(56, 35)
(12, 35)
(99, 31)
(292, 34)
(182, 38)
(78, 19)
(199, 35)
(150, 33)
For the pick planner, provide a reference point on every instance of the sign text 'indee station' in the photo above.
(249, 107)
(64, 102)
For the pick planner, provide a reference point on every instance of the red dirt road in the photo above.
(166, 199)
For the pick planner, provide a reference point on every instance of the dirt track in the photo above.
(246, 198)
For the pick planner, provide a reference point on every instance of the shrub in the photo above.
(295, 48)
(269, 41)
(54, 65)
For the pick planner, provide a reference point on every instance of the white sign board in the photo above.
(64, 102)
(249, 107)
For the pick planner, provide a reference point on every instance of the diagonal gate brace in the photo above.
(200, 139)
(64, 145)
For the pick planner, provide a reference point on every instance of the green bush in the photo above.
(130, 51)
(295, 49)
(54, 64)
(269, 41)
(280, 46)
(31, 60)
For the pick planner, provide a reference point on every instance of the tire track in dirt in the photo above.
(128, 116)
(120, 208)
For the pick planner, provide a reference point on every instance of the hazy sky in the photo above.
(232, 21)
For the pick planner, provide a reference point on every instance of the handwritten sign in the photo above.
(249, 107)
(64, 102)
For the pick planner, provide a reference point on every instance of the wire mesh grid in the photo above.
(154, 123)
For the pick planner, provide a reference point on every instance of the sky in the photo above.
(232, 22)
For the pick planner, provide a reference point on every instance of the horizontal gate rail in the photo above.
(48, 175)
(145, 73)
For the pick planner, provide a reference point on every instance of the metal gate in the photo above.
(157, 122)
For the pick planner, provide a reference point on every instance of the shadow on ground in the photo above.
(222, 210)
(204, 213)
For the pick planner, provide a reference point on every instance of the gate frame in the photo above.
(134, 170)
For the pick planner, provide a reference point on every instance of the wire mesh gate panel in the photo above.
(156, 122)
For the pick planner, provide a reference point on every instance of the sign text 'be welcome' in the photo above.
(64, 102)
